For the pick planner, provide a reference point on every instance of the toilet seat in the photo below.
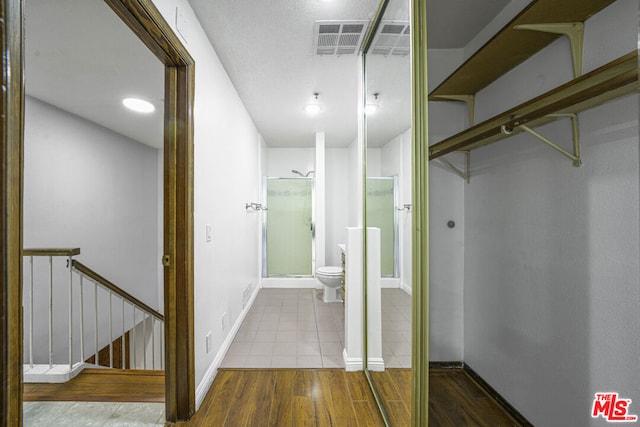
(329, 271)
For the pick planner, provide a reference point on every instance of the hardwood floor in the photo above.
(334, 397)
(394, 387)
(295, 397)
(455, 399)
(288, 397)
(101, 385)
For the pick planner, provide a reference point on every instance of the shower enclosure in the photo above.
(382, 214)
(288, 230)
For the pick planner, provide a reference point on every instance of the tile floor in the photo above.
(289, 328)
(71, 414)
(293, 328)
(396, 328)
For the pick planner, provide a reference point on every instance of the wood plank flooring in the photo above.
(458, 400)
(101, 385)
(334, 397)
(288, 397)
(295, 397)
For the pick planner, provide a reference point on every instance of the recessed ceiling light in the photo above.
(313, 107)
(139, 105)
(372, 106)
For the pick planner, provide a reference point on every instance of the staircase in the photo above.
(82, 320)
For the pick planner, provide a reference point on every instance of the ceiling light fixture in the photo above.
(313, 107)
(139, 105)
(372, 106)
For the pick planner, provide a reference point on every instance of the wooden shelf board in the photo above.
(510, 47)
(613, 80)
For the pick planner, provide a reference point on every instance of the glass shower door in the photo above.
(289, 227)
(381, 213)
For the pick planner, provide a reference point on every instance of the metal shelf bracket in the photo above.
(470, 100)
(574, 31)
(575, 156)
(466, 174)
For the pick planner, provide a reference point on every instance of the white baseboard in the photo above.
(405, 288)
(351, 363)
(375, 364)
(54, 374)
(290, 283)
(210, 375)
(389, 282)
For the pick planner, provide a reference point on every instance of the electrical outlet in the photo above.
(224, 321)
(208, 341)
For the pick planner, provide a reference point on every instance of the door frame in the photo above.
(144, 19)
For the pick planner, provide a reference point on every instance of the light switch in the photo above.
(208, 233)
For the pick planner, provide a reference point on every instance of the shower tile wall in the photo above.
(289, 328)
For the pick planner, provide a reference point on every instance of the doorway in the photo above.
(147, 23)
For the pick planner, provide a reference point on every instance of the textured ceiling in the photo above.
(267, 49)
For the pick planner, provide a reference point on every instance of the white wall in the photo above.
(441, 63)
(89, 187)
(227, 165)
(374, 161)
(551, 294)
(280, 161)
(337, 200)
(352, 183)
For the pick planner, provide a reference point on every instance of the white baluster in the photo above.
(70, 316)
(110, 331)
(135, 343)
(122, 365)
(81, 319)
(50, 312)
(153, 343)
(162, 345)
(95, 296)
(31, 312)
(144, 339)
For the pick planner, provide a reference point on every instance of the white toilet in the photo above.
(331, 278)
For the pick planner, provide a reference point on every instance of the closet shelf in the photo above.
(613, 80)
(510, 46)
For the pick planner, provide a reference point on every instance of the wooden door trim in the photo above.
(11, 181)
(146, 22)
(144, 19)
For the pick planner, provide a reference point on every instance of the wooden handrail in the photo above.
(83, 269)
(51, 252)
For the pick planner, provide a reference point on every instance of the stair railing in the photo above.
(140, 313)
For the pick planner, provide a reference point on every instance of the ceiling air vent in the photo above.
(338, 37)
(392, 38)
